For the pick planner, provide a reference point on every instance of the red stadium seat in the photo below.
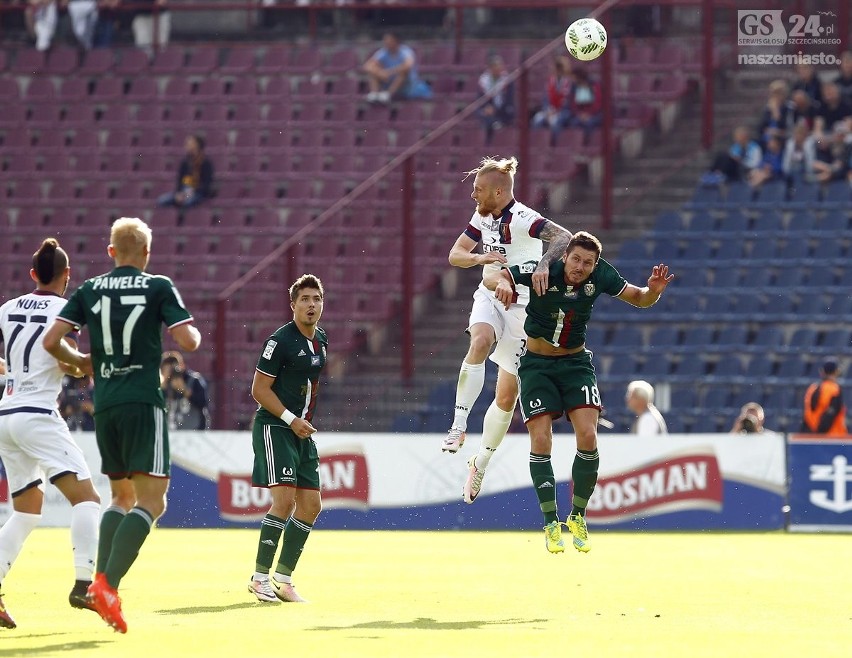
(202, 60)
(239, 61)
(168, 61)
(131, 62)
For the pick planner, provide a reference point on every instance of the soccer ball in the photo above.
(585, 39)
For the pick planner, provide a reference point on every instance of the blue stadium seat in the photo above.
(835, 221)
(739, 194)
(794, 249)
(595, 337)
(840, 306)
(762, 249)
(803, 338)
(756, 276)
(704, 197)
(768, 221)
(822, 277)
(760, 367)
(663, 336)
(690, 277)
(702, 222)
(698, 251)
(674, 422)
(625, 336)
(656, 368)
(779, 302)
(812, 306)
(633, 250)
(828, 248)
(837, 340)
(691, 365)
(668, 222)
(623, 366)
(771, 194)
(838, 192)
(732, 337)
(804, 194)
(791, 367)
(788, 277)
(729, 366)
(698, 336)
(665, 251)
(734, 221)
(706, 423)
(768, 337)
(683, 398)
(726, 277)
(717, 397)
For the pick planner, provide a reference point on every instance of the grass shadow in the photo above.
(428, 624)
(207, 609)
(67, 648)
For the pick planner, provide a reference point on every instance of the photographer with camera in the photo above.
(750, 420)
(185, 392)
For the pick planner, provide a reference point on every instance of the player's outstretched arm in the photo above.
(648, 296)
(557, 239)
(461, 255)
(186, 336)
(63, 350)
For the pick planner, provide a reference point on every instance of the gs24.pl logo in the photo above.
(766, 27)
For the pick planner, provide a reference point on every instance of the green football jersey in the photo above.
(295, 362)
(560, 316)
(124, 310)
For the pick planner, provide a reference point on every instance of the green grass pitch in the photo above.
(443, 594)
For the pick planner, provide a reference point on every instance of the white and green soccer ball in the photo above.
(585, 39)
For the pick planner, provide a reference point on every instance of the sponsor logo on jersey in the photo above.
(570, 294)
(269, 349)
(535, 404)
(545, 485)
(302, 353)
(589, 289)
(691, 481)
(553, 289)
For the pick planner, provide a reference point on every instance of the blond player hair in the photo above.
(488, 165)
(128, 236)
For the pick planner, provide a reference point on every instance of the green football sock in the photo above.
(112, 518)
(295, 535)
(584, 473)
(267, 546)
(129, 537)
(544, 483)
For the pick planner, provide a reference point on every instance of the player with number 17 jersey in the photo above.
(124, 310)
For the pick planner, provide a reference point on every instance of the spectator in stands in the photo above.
(802, 109)
(499, 110)
(585, 102)
(194, 178)
(772, 163)
(736, 164)
(392, 73)
(808, 81)
(777, 113)
(824, 410)
(799, 155)
(41, 17)
(185, 392)
(554, 113)
(750, 420)
(844, 78)
(84, 18)
(76, 404)
(156, 14)
(640, 400)
(832, 110)
(829, 157)
(108, 18)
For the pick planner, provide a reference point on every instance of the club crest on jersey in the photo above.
(589, 289)
(505, 233)
(10, 386)
(571, 293)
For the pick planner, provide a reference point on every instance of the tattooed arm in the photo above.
(557, 239)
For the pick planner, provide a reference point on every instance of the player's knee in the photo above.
(479, 347)
(587, 438)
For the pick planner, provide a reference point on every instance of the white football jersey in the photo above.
(33, 377)
(514, 234)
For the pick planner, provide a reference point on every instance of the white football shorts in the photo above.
(508, 328)
(34, 445)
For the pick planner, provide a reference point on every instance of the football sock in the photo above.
(112, 518)
(494, 428)
(295, 535)
(13, 534)
(544, 483)
(84, 537)
(267, 546)
(471, 381)
(129, 537)
(584, 473)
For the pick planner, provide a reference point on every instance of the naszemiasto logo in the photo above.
(344, 482)
(691, 481)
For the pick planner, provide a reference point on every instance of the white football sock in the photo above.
(13, 534)
(471, 381)
(85, 522)
(494, 428)
(283, 578)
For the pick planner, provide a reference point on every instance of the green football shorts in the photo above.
(556, 384)
(133, 438)
(282, 458)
